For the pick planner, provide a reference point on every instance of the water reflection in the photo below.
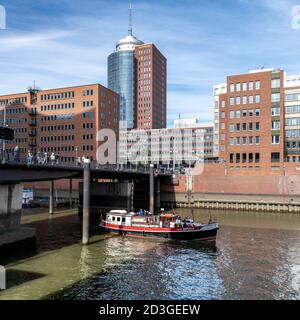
(261, 262)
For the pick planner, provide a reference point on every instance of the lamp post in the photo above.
(76, 155)
(4, 125)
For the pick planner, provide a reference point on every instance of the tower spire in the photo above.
(130, 21)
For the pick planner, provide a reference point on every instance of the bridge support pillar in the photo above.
(70, 192)
(12, 235)
(86, 204)
(157, 194)
(51, 197)
(151, 189)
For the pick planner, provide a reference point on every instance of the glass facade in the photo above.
(121, 79)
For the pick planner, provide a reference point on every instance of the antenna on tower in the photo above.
(130, 21)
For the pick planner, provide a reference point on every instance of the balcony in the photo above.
(32, 111)
(32, 143)
(32, 132)
(32, 122)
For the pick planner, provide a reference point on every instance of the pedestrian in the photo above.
(52, 158)
(16, 154)
(78, 161)
(29, 158)
(45, 159)
(38, 158)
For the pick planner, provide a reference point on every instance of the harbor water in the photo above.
(256, 256)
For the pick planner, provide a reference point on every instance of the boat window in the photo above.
(123, 219)
(113, 218)
(118, 219)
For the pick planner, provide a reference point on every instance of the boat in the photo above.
(165, 225)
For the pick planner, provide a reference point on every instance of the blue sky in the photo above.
(66, 42)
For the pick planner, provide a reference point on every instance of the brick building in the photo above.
(151, 82)
(63, 120)
(251, 119)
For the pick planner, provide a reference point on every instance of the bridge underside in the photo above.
(15, 173)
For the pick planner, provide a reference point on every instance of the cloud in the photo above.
(63, 43)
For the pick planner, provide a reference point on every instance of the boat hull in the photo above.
(207, 234)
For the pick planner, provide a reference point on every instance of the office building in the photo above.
(63, 120)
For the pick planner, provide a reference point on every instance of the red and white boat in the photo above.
(167, 225)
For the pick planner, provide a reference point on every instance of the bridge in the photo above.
(13, 174)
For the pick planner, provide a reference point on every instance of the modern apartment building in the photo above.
(252, 118)
(187, 142)
(138, 73)
(217, 90)
(63, 120)
(292, 118)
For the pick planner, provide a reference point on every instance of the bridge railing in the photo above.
(94, 165)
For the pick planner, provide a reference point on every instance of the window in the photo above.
(257, 98)
(251, 100)
(223, 115)
(231, 141)
(223, 104)
(244, 126)
(275, 140)
(275, 125)
(244, 86)
(231, 101)
(257, 112)
(238, 141)
(257, 140)
(257, 157)
(257, 126)
(238, 114)
(250, 126)
(257, 85)
(250, 157)
(250, 140)
(251, 85)
(275, 157)
(244, 157)
(238, 100)
(223, 126)
(231, 127)
(275, 97)
(244, 99)
(232, 87)
(238, 157)
(238, 127)
(250, 112)
(231, 157)
(244, 140)
(275, 83)
(223, 137)
(244, 113)
(238, 87)
(231, 114)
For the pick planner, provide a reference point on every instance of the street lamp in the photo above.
(76, 155)
(4, 125)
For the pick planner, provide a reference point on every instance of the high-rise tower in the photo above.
(137, 72)
(121, 75)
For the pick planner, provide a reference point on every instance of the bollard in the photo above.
(2, 278)
(70, 193)
(86, 203)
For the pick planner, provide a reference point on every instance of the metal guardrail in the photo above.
(94, 165)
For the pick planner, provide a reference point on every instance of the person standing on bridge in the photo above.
(29, 158)
(16, 154)
(52, 158)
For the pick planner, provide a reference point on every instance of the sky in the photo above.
(61, 43)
